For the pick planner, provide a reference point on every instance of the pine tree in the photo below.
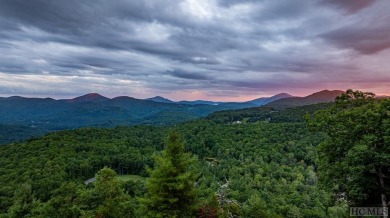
(171, 190)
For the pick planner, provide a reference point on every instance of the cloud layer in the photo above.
(211, 49)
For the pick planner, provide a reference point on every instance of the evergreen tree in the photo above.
(171, 190)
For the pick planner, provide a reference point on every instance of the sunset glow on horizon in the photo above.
(190, 50)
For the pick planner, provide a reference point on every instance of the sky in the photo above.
(225, 50)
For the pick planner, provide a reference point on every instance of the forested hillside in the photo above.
(32, 117)
(36, 116)
(15, 133)
(269, 166)
(265, 165)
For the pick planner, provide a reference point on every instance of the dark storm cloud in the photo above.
(368, 42)
(150, 46)
(187, 75)
(366, 33)
(285, 9)
(52, 16)
(351, 6)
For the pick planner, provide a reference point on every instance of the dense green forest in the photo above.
(269, 164)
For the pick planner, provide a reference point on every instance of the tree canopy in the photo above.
(354, 161)
(269, 161)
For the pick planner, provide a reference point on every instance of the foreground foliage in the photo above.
(263, 166)
(355, 158)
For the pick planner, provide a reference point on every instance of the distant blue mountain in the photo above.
(96, 110)
(199, 102)
(41, 115)
(256, 102)
(266, 100)
(160, 99)
(165, 100)
(93, 109)
(91, 97)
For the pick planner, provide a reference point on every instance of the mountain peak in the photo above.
(266, 100)
(91, 97)
(282, 95)
(159, 99)
(325, 94)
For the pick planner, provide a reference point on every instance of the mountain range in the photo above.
(96, 110)
(165, 100)
(47, 114)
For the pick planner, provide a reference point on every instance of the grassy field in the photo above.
(129, 177)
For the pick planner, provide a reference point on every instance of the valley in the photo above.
(36, 116)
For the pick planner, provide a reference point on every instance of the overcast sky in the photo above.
(193, 49)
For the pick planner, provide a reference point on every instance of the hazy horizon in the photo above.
(175, 100)
(193, 49)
